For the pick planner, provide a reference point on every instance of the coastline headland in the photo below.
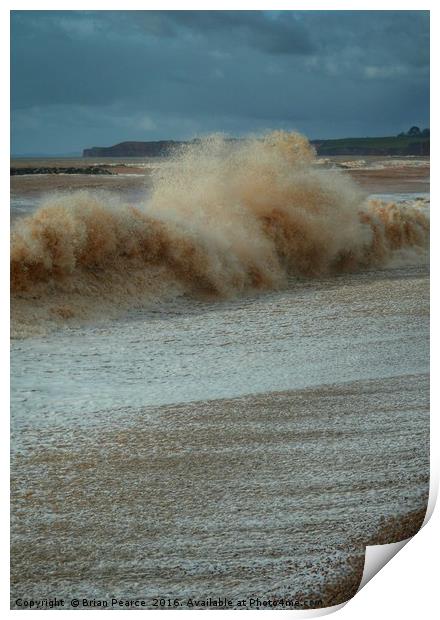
(391, 145)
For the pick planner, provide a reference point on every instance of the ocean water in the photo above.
(218, 379)
(186, 350)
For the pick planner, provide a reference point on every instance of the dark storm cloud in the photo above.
(273, 34)
(85, 78)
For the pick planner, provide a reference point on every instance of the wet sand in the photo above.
(272, 495)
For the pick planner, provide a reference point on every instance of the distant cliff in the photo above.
(392, 145)
(132, 149)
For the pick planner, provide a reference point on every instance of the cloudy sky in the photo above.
(95, 78)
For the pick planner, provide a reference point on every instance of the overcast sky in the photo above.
(82, 79)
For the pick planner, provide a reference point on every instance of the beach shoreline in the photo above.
(237, 447)
(270, 494)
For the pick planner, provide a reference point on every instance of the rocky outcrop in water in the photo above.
(53, 170)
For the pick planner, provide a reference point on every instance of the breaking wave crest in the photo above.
(224, 218)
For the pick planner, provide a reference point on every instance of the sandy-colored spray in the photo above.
(224, 218)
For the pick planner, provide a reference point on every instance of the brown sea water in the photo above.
(219, 386)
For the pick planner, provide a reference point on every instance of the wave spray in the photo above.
(224, 218)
